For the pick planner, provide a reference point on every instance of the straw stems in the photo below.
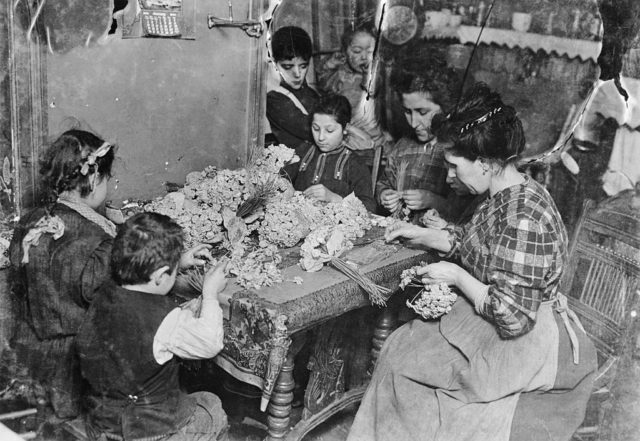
(378, 295)
(400, 184)
(195, 278)
(262, 192)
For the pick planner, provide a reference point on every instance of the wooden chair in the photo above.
(602, 284)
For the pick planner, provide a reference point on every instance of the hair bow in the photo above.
(92, 158)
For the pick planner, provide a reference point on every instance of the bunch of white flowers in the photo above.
(223, 188)
(350, 214)
(272, 158)
(433, 300)
(287, 221)
(257, 268)
(322, 245)
(200, 223)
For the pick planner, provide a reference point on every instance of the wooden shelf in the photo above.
(572, 48)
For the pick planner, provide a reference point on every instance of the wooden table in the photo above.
(261, 324)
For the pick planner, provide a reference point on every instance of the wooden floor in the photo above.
(247, 423)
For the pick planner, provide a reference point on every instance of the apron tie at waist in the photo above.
(562, 308)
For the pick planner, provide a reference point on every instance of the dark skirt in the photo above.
(50, 365)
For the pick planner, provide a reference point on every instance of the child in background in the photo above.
(327, 170)
(132, 337)
(346, 73)
(290, 103)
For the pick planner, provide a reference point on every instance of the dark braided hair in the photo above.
(62, 161)
(481, 126)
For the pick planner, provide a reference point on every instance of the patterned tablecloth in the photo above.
(258, 323)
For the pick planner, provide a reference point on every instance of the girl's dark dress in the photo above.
(54, 290)
(340, 171)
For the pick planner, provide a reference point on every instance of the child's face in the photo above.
(419, 109)
(327, 132)
(293, 71)
(360, 51)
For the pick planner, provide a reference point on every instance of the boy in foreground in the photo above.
(133, 334)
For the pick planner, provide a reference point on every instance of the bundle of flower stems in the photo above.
(262, 192)
(400, 185)
(378, 295)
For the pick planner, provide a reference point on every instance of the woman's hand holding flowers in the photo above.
(412, 234)
(440, 272)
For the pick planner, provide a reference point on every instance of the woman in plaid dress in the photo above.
(460, 377)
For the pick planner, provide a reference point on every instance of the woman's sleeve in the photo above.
(388, 178)
(284, 115)
(522, 257)
(456, 233)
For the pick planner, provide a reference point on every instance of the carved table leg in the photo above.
(385, 325)
(279, 407)
(326, 381)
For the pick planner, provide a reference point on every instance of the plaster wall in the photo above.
(172, 106)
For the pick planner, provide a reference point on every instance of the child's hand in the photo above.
(215, 280)
(196, 256)
(321, 193)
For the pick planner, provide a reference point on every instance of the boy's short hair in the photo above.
(145, 243)
(290, 42)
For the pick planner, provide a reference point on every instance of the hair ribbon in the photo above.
(93, 157)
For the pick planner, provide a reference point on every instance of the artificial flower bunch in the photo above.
(321, 245)
(327, 244)
(350, 214)
(200, 223)
(272, 158)
(257, 268)
(433, 300)
(224, 188)
(287, 221)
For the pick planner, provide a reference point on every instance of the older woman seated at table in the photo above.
(415, 174)
(460, 377)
